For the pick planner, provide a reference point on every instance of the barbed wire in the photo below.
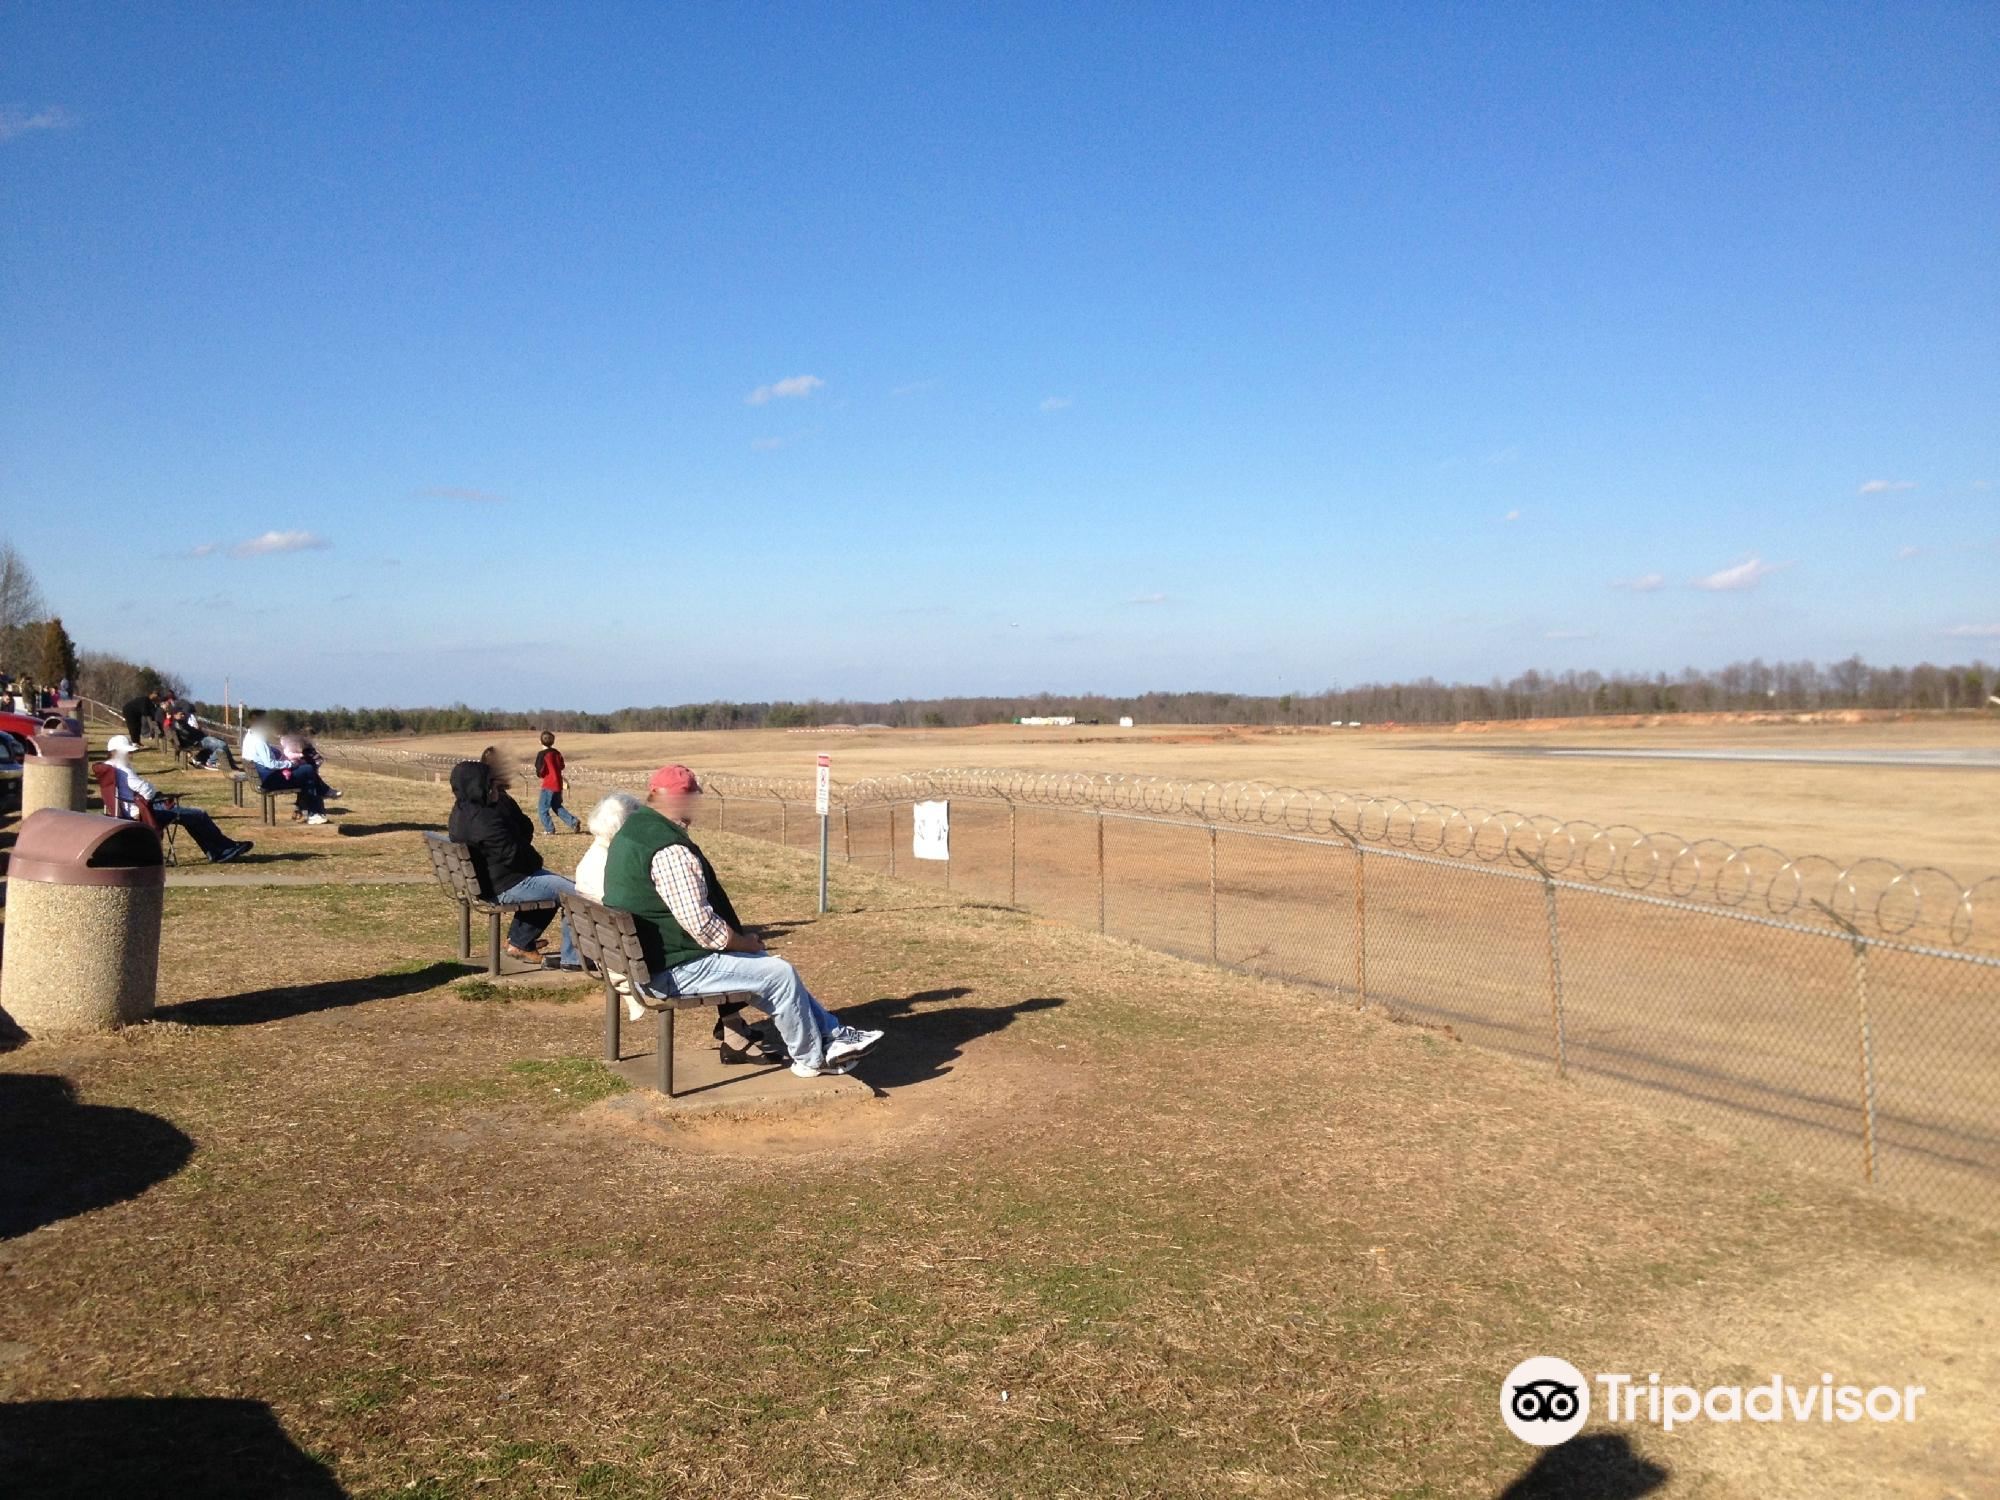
(1877, 895)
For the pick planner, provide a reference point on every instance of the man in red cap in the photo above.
(692, 938)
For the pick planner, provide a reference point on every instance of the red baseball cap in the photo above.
(675, 781)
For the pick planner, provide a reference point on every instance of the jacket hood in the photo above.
(471, 781)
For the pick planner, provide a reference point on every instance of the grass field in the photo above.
(1114, 1224)
(1915, 815)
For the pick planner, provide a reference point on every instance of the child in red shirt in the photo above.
(549, 772)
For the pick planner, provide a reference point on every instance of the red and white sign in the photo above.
(823, 787)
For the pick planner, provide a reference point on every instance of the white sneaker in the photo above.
(850, 1042)
(316, 819)
(634, 1011)
(825, 1069)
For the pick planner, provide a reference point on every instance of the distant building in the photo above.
(1047, 721)
(1125, 722)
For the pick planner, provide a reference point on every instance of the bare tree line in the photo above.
(1790, 687)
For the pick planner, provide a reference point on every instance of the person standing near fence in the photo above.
(549, 767)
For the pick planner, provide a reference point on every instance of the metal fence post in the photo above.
(1214, 947)
(1555, 961)
(1867, 1040)
(1010, 854)
(846, 837)
(1100, 871)
(892, 838)
(721, 813)
(1360, 917)
(783, 842)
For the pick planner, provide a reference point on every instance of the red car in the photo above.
(21, 724)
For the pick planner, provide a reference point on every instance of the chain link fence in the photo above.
(1846, 1018)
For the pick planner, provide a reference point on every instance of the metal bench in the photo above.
(608, 942)
(453, 865)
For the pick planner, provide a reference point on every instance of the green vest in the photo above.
(628, 886)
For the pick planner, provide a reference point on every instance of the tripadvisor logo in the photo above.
(1546, 1401)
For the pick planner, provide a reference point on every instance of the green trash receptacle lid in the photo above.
(71, 848)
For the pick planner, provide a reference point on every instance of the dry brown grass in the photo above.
(1915, 816)
(1210, 1235)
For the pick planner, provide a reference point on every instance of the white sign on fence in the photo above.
(823, 787)
(931, 825)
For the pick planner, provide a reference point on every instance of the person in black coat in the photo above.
(501, 840)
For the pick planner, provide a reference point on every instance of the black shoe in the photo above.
(235, 851)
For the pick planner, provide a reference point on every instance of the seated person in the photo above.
(134, 788)
(208, 752)
(694, 942)
(492, 826)
(604, 822)
(276, 773)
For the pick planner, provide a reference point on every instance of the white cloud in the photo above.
(1645, 583)
(205, 549)
(1148, 599)
(1569, 635)
(1512, 515)
(914, 388)
(1745, 575)
(1886, 486)
(790, 386)
(1905, 553)
(280, 541)
(15, 122)
(1055, 403)
(1975, 632)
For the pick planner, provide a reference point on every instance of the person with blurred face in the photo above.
(692, 938)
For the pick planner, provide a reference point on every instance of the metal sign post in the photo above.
(823, 805)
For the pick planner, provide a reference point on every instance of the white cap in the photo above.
(119, 744)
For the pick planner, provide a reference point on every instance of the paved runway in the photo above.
(1949, 760)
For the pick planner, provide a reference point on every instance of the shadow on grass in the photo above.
(924, 1036)
(190, 1447)
(1597, 1466)
(286, 1001)
(353, 830)
(64, 1157)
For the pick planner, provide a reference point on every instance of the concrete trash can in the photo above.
(55, 774)
(84, 896)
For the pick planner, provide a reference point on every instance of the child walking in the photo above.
(549, 772)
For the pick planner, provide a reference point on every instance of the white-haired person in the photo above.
(692, 938)
(134, 789)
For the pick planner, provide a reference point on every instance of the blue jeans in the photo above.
(551, 802)
(802, 1021)
(529, 925)
(211, 838)
(213, 749)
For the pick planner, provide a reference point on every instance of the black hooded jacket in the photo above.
(491, 824)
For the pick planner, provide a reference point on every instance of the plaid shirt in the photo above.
(677, 877)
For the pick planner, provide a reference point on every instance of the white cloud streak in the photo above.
(273, 542)
(1886, 486)
(19, 122)
(1512, 515)
(1744, 575)
(1974, 632)
(1645, 583)
(791, 387)
(1056, 403)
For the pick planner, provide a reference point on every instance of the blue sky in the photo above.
(588, 356)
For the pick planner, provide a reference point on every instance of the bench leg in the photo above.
(465, 930)
(612, 1007)
(493, 946)
(667, 1051)
(236, 791)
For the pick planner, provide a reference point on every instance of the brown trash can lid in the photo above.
(59, 746)
(55, 847)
